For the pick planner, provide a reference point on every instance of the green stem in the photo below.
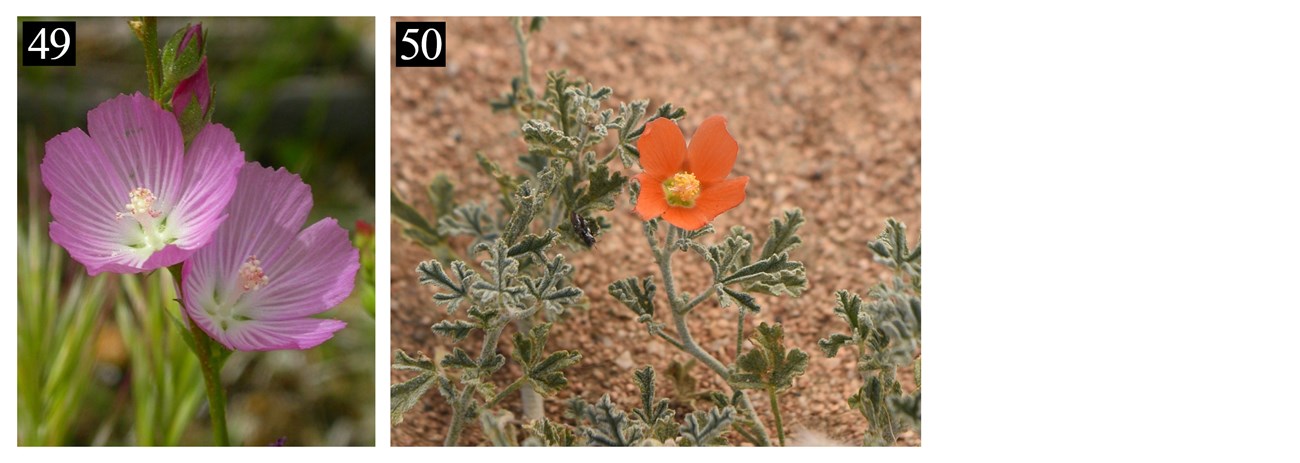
(776, 412)
(211, 372)
(688, 345)
(505, 392)
(461, 404)
(146, 30)
(740, 329)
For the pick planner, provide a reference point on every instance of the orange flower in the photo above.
(688, 186)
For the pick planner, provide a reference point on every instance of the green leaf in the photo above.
(442, 195)
(408, 215)
(745, 301)
(457, 330)
(547, 433)
(544, 372)
(638, 298)
(469, 219)
(769, 365)
(406, 395)
(707, 428)
(831, 346)
(431, 272)
(533, 244)
(783, 236)
(600, 192)
(609, 426)
(500, 288)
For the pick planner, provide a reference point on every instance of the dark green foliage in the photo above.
(599, 193)
(886, 332)
(547, 433)
(406, 395)
(769, 366)
(544, 372)
(469, 219)
(707, 428)
(533, 245)
(745, 301)
(457, 330)
(609, 426)
(551, 290)
(890, 248)
(454, 293)
(639, 298)
(655, 414)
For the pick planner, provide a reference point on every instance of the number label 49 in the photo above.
(421, 44)
(49, 43)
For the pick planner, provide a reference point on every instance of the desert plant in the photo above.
(885, 332)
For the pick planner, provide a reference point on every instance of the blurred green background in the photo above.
(98, 363)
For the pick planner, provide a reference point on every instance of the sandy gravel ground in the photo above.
(827, 115)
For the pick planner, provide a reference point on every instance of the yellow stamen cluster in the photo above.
(682, 189)
(251, 276)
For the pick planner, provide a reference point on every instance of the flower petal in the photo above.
(264, 216)
(662, 147)
(685, 218)
(258, 335)
(650, 202)
(211, 172)
(84, 202)
(315, 274)
(712, 152)
(142, 143)
(721, 197)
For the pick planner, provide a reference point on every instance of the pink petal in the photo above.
(83, 200)
(211, 172)
(256, 335)
(316, 273)
(142, 143)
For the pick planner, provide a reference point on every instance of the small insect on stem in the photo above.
(582, 228)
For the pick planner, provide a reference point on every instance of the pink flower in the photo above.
(194, 87)
(256, 286)
(128, 197)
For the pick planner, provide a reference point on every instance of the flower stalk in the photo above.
(680, 309)
(211, 367)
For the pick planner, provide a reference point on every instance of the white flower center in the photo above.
(153, 225)
(251, 275)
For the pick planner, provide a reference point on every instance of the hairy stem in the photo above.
(146, 30)
(211, 372)
(687, 344)
(507, 391)
(462, 403)
(740, 330)
(776, 413)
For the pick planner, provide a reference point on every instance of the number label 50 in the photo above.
(421, 44)
(49, 43)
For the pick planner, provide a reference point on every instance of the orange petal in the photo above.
(650, 203)
(662, 147)
(712, 152)
(686, 218)
(721, 197)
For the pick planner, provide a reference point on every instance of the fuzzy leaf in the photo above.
(469, 219)
(769, 365)
(639, 298)
(783, 236)
(547, 433)
(408, 215)
(544, 372)
(707, 428)
(745, 301)
(533, 244)
(609, 426)
(406, 395)
(455, 292)
(457, 330)
(600, 191)
(442, 195)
